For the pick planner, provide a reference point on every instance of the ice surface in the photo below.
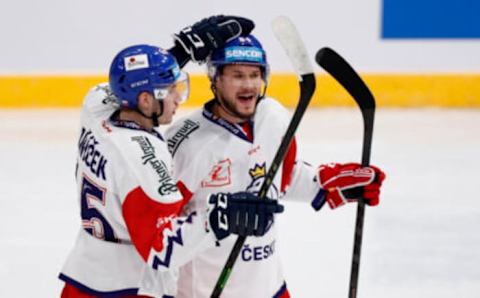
(422, 241)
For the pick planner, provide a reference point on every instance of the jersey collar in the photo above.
(235, 129)
(132, 125)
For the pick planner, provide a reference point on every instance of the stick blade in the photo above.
(287, 34)
(341, 70)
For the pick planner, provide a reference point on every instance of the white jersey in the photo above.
(131, 236)
(213, 155)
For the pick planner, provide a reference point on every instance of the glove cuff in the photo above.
(217, 221)
(319, 199)
(335, 198)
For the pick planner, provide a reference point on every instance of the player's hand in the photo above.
(200, 39)
(350, 182)
(241, 213)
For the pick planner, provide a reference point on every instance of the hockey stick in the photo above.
(337, 67)
(288, 36)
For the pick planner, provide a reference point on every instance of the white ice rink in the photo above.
(422, 241)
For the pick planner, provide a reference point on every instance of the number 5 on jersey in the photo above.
(93, 221)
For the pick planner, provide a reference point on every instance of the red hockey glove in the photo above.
(350, 182)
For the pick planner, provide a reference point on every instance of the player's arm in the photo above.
(152, 204)
(166, 240)
(196, 42)
(299, 182)
(163, 238)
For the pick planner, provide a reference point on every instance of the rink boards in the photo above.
(390, 90)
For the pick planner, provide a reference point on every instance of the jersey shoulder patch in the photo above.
(100, 102)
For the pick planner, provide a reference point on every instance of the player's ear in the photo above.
(144, 100)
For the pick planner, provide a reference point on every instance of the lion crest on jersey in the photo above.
(258, 173)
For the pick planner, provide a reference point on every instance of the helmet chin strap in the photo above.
(154, 117)
(263, 93)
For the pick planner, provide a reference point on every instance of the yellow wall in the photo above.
(390, 90)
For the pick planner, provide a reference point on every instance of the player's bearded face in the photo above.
(238, 89)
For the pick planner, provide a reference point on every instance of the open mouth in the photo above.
(246, 97)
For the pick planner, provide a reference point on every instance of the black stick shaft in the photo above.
(343, 73)
(368, 119)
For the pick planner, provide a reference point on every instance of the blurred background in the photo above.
(412, 53)
(420, 59)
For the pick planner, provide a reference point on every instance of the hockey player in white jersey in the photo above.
(228, 146)
(129, 203)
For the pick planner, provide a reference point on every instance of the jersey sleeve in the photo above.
(152, 203)
(164, 239)
(304, 186)
(298, 180)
